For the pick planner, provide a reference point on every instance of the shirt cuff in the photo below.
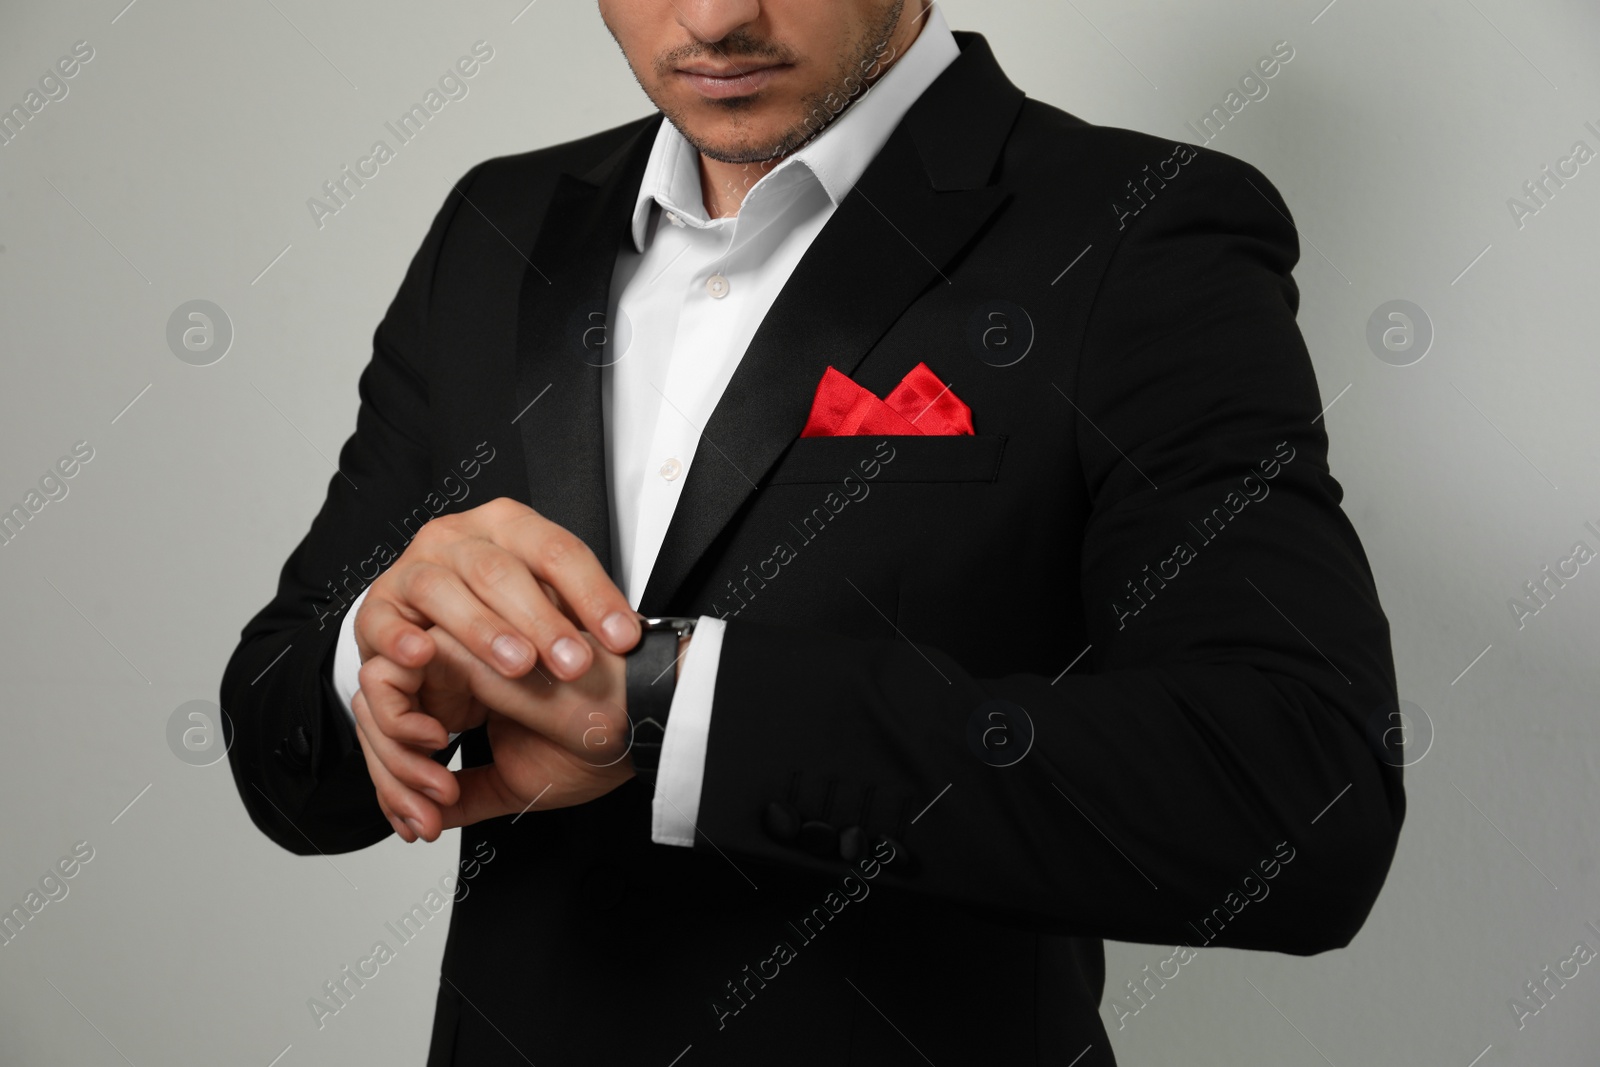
(683, 747)
(347, 660)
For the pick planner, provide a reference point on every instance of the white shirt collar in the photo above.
(836, 157)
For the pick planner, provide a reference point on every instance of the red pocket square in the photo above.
(920, 404)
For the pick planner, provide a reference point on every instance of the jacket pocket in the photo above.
(891, 458)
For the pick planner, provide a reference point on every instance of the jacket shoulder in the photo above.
(540, 166)
(1048, 135)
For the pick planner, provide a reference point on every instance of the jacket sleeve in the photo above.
(294, 755)
(1220, 743)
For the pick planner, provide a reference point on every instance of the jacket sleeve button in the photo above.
(902, 862)
(781, 822)
(852, 843)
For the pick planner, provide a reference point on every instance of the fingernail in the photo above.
(411, 646)
(511, 653)
(618, 628)
(568, 654)
(416, 827)
(399, 827)
(433, 794)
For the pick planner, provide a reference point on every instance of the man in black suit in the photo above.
(1081, 647)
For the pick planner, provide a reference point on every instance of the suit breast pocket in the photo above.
(891, 458)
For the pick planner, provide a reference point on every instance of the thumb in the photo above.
(484, 795)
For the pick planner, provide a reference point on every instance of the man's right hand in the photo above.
(512, 587)
(557, 744)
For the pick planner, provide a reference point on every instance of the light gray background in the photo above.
(181, 161)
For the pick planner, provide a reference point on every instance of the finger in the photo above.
(441, 595)
(420, 783)
(401, 830)
(413, 770)
(524, 700)
(452, 703)
(559, 558)
(391, 698)
(383, 628)
(404, 832)
(554, 596)
(412, 785)
(505, 585)
(418, 815)
(375, 772)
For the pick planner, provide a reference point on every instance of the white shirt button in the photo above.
(672, 217)
(671, 469)
(717, 286)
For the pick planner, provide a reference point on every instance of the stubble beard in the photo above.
(865, 50)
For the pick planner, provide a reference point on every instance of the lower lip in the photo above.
(739, 85)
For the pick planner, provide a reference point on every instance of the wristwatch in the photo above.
(652, 677)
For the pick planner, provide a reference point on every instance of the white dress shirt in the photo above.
(686, 300)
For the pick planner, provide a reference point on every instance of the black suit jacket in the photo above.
(917, 823)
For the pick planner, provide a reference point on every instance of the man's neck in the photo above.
(723, 186)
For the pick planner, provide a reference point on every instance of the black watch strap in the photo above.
(651, 681)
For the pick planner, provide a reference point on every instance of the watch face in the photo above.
(683, 626)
